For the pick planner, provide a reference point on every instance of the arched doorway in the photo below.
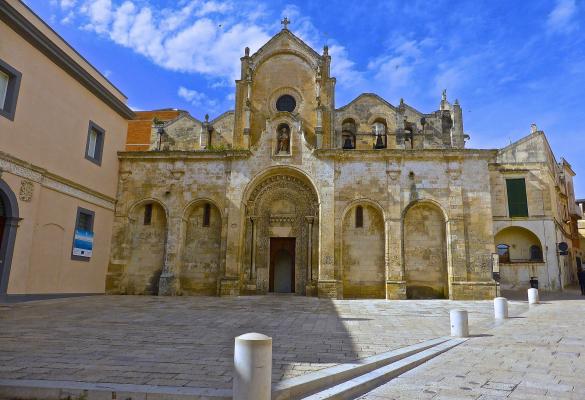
(364, 272)
(282, 210)
(425, 252)
(201, 256)
(148, 232)
(8, 224)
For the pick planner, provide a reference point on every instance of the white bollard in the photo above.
(533, 296)
(459, 323)
(500, 308)
(252, 367)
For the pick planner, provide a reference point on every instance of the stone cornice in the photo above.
(183, 155)
(26, 170)
(381, 154)
(41, 42)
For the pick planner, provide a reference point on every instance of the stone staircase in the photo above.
(351, 380)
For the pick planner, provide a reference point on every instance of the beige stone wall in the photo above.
(200, 269)
(425, 252)
(147, 249)
(364, 272)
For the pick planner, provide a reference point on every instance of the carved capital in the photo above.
(26, 190)
(394, 174)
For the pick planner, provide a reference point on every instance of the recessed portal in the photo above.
(282, 265)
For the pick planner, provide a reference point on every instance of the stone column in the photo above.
(455, 232)
(168, 283)
(254, 229)
(310, 287)
(395, 279)
(310, 248)
(327, 285)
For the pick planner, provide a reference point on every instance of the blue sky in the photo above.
(510, 63)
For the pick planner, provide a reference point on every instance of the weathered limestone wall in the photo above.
(186, 133)
(147, 251)
(176, 184)
(201, 258)
(363, 253)
(425, 256)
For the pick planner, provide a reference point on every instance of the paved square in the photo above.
(188, 341)
(540, 355)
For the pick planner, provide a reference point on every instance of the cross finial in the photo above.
(285, 23)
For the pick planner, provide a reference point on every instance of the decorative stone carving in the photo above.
(273, 190)
(26, 190)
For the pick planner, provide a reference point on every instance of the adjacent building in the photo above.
(61, 125)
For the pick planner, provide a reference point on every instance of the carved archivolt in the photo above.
(295, 186)
(260, 207)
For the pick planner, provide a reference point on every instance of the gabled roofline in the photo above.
(367, 94)
(283, 32)
(178, 117)
(221, 116)
(21, 25)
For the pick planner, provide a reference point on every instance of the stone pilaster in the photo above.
(395, 283)
(169, 280)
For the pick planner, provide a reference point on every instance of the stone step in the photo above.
(301, 386)
(353, 388)
(295, 388)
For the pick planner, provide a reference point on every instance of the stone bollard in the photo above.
(252, 367)
(533, 296)
(500, 308)
(459, 323)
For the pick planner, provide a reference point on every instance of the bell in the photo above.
(347, 144)
(379, 143)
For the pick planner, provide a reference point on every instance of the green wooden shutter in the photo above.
(517, 201)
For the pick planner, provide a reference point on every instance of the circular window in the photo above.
(286, 103)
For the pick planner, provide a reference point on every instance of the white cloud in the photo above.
(212, 7)
(561, 18)
(397, 67)
(99, 13)
(66, 4)
(200, 37)
(197, 99)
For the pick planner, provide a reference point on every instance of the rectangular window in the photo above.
(517, 200)
(147, 214)
(83, 235)
(206, 214)
(359, 217)
(9, 87)
(95, 143)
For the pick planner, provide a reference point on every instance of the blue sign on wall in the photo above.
(83, 243)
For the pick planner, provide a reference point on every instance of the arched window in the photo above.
(359, 217)
(504, 252)
(206, 214)
(348, 132)
(535, 253)
(379, 130)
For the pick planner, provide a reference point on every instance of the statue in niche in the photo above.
(283, 139)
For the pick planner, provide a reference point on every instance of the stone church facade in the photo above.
(288, 193)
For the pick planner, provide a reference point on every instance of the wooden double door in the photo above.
(282, 265)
